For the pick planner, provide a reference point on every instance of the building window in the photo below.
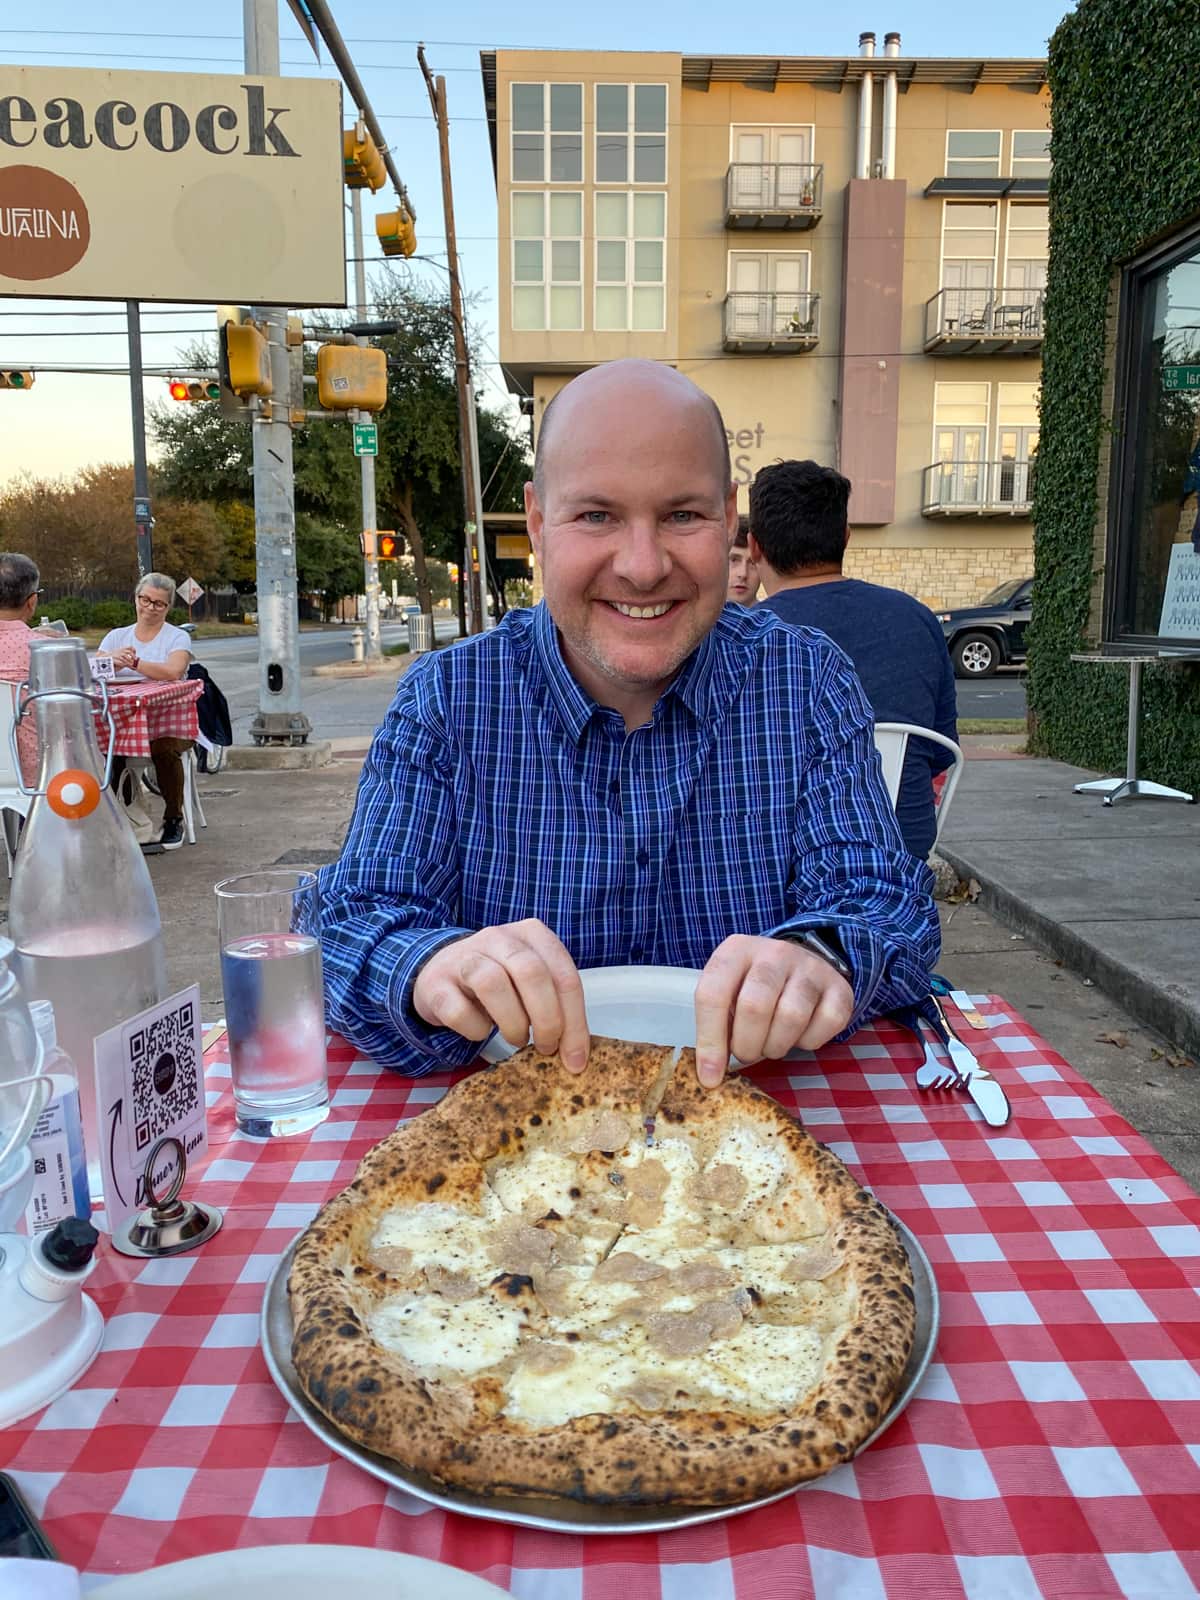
(969, 261)
(1154, 496)
(960, 428)
(768, 293)
(1028, 247)
(1031, 153)
(771, 167)
(547, 261)
(631, 235)
(1016, 444)
(547, 133)
(973, 153)
(631, 133)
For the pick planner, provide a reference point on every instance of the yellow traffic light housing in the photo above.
(396, 233)
(362, 163)
(245, 360)
(10, 379)
(351, 377)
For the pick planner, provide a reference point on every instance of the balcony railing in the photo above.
(978, 488)
(771, 323)
(775, 195)
(984, 322)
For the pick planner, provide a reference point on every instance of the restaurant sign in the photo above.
(170, 186)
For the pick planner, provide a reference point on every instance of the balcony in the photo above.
(782, 196)
(978, 489)
(984, 322)
(771, 324)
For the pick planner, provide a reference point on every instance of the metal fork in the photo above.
(932, 1073)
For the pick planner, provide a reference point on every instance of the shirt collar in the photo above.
(15, 622)
(705, 675)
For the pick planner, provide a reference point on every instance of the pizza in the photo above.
(617, 1287)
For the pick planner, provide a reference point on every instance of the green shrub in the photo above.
(178, 615)
(112, 614)
(72, 610)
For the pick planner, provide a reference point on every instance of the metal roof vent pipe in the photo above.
(891, 47)
(866, 97)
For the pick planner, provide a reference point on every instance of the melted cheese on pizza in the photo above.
(442, 1337)
(444, 1236)
(541, 1181)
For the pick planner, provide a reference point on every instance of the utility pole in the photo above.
(280, 717)
(473, 545)
(366, 462)
(143, 521)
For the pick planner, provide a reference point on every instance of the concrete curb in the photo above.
(278, 757)
(390, 665)
(1144, 998)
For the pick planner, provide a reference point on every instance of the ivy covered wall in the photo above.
(1125, 117)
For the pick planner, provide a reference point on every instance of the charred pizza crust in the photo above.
(845, 1262)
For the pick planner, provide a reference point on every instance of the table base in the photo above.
(1114, 789)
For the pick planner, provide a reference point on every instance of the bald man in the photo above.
(604, 780)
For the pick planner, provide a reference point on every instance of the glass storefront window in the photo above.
(1155, 498)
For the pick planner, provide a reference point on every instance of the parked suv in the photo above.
(992, 634)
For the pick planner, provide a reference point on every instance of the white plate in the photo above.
(645, 1005)
(300, 1572)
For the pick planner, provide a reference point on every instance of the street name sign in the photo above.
(366, 439)
(170, 186)
(1177, 378)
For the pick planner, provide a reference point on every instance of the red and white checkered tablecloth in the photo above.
(150, 710)
(1052, 1450)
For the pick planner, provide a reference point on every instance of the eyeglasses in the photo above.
(155, 605)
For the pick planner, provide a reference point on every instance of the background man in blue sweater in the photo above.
(798, 536)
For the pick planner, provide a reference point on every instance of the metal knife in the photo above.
(977, 1080)
(966, 1008)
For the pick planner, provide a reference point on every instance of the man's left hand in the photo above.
(759, 998)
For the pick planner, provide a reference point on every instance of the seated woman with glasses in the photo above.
(154, 648)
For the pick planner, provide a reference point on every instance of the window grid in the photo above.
(631, 133)
(973, 152)
(630, 262)
(1031, 153)
(547, 132)
(547, 261)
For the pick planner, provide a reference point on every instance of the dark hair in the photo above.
(798, 514)
(741, 538)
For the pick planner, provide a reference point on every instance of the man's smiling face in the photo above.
(632, 529)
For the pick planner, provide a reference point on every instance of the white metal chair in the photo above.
(891, 740)
(11, 797)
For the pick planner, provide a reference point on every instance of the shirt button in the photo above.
(642, 858)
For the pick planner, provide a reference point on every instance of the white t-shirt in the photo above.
(167, 639)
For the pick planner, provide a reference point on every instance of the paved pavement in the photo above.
(999, 696)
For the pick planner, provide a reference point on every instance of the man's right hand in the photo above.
(518, 977)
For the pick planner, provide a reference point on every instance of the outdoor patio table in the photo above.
(150, 710)
(1052, 1450)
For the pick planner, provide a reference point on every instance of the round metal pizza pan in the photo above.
(561, 1516)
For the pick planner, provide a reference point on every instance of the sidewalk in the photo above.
(1112, 891)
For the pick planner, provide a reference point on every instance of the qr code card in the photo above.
(150, 1086)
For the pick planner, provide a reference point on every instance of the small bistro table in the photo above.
(150, 710)
(1053, 1448)
(1131, 787)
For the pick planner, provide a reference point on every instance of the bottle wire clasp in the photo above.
(26, 698)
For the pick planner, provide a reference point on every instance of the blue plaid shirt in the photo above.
(497, 789)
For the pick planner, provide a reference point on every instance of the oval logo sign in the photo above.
(44, 227)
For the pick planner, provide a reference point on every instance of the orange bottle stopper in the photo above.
(73, 793)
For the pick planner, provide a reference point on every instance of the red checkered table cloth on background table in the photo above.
(150, 710)
(1052, 1450)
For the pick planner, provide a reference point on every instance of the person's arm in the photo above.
(391, 900)
(946, 717)
(851, 872)
(168, 671)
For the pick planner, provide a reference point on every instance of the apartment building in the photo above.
(848, 254)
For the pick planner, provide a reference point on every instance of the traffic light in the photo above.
(194, 389)
(361, 161)
(351, 377)
(16, 380)
(245, 360)
(387, 547)
(396, 233)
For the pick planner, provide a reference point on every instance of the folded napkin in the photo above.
(37, 1580)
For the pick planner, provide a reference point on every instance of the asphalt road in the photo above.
(999, 696)
(338, 708)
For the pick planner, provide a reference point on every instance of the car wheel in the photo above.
(975, 655)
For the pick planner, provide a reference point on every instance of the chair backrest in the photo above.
(8, 711)
(891, 740)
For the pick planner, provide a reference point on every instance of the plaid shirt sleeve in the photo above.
(850, 868)
(391, 900)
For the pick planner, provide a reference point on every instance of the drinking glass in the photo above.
(268, 929)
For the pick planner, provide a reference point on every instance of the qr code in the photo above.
(165, 1074)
